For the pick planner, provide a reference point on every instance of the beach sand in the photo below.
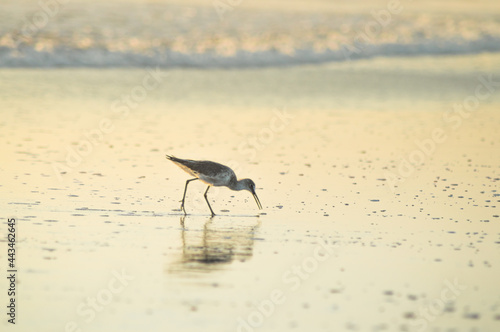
(380, 199)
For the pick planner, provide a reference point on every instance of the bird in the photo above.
(213, 174)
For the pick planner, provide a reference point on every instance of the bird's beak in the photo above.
(257, 200)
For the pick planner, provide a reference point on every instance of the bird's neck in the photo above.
(237, 185)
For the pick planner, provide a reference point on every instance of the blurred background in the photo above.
(238, 34)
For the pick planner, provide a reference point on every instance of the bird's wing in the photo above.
(208, 171)
(207, 168)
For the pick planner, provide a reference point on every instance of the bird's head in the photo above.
(249, 185)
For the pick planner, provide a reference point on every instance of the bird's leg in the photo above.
(184, 196)
(206, 191)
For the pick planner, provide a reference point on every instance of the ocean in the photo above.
(239, 33)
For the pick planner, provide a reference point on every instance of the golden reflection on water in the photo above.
(213, 246)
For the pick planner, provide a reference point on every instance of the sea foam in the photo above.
(173, 36)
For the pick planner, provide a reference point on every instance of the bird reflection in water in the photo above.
(215, 245)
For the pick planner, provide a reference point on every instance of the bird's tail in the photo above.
(174, 159)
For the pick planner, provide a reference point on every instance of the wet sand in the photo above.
(380, 201)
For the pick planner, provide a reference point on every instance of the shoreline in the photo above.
(346, 251)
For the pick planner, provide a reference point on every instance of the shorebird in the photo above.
(213, 174)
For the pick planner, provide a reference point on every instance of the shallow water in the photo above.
(366, 225)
